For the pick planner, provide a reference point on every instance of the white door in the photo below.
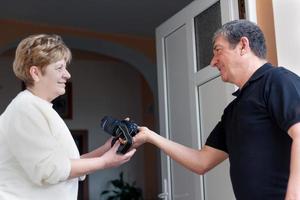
(192, 96)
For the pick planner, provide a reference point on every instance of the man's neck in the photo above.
(249, 69)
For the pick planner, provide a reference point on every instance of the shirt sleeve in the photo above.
(283, 98)
(217, 138)
(35, 148)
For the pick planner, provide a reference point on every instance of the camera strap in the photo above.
(124, 134)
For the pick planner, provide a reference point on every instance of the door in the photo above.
(191, 95)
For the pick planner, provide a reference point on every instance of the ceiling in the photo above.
(133, 17)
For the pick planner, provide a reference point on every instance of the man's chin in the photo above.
(223, 78)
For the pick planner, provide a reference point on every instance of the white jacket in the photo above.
(35, 151)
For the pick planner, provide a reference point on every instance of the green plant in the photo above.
(122, 190)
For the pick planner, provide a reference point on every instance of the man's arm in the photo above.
(198, 161)
(293, 190)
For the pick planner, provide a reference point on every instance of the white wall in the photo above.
(287, 33)
(99, 89)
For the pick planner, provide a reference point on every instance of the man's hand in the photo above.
(142, 136)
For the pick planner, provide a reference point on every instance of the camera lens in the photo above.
(109, 125)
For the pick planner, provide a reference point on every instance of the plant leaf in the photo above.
(117, 183)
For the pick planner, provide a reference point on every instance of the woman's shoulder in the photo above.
(25, 101)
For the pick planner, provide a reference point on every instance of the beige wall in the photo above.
(264, 10)
(287, 31)
(12, 30)
(279, 20)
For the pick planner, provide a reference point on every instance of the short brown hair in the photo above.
(39, 50)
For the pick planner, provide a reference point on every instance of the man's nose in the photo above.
(213, 61)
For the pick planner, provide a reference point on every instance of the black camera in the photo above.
(120, 129)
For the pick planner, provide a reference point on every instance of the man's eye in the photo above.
(217, 51)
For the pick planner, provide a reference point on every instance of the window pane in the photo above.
(206, 23)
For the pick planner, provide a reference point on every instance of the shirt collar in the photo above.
(260, 72)
(257, 74)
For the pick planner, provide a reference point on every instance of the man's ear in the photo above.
(35, 73)
(244, 45)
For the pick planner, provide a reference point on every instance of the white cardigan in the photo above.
(35, 151)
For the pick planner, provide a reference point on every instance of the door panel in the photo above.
(213, 99)
(179, 112)
(186, 111)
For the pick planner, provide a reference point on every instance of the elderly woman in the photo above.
(39, 158)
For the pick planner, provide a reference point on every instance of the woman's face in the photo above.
(53, 80)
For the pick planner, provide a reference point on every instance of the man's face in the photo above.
(226, 59)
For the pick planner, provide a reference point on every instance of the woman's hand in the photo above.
(113, 159)
(107, 144)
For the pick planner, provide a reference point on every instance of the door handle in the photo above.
(163, 195)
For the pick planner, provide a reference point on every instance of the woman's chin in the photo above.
(62, 91)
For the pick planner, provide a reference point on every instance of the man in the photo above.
(259, 130)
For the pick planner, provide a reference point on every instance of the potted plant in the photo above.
(122, 190)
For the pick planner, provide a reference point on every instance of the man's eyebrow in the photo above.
(216, 46)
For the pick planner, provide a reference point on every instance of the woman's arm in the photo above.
(83, 166)
(99, 151)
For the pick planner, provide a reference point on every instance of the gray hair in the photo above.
(233, 31)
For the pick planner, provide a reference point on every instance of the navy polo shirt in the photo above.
(253, 131)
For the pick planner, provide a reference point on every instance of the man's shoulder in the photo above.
(281, 74)
(278, 70)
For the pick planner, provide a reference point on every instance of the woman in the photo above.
(39, 158)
